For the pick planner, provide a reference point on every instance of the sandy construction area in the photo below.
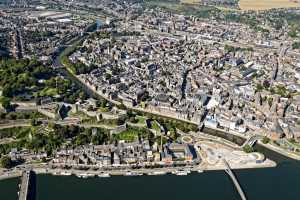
(267, 4)
(190, 1)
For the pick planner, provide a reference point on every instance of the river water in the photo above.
(280, 183)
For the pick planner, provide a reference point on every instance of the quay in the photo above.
(24, 188)
(234, 180)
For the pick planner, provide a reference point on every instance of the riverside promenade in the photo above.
(10, 174)
(94, 170)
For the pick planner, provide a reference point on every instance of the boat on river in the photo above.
(156, 173)
(104, 175)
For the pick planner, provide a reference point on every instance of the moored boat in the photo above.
(181, 172)
(85, 175)
(156, 173)
(104, 175)
(133, 174)
(56, 173)
(66, 173)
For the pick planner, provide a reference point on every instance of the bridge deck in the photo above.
(234, 180)
(24, 188)
(252, 140)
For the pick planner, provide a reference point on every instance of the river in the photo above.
(280, 183)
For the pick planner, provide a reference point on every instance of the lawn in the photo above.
(141, 120)
(128, 135)
(297, 144)
(48, 92)
(133, 134)
(104, 109)
(155, 126)
(18, 132)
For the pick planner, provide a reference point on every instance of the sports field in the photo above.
(267, 4)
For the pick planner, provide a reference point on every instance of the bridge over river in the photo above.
(24, 187)
(234, 180)
(27, 186)
(252, 140)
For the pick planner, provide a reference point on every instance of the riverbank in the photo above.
(268, 146)
(266, 164)
(280, 151)
(132, 172)
(212, 185)
(10, 175)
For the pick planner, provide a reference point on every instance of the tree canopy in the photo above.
(5, 162)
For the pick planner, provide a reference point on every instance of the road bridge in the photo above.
(24, 187)
(252, 140)
(234, 180)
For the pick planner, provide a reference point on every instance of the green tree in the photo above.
(5, 162)
(82, 96)
(248, 149)
(259, 87)
(99, 138)
(296, 45)
(81, 139)
(266, 140)
(292, 140)
(107, 76)
(229, 48)
(293, 34)
(133, 120)
(5, 102)
(121, 106)
(33, 122)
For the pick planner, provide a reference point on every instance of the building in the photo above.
(276, 131)
(177, 152)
